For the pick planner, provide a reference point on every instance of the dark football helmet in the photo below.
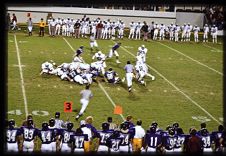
(154, 123)
(171, 131)
(105, 126)
(152, 129)
(45, 125)
(57, 115)
(30, 122)
(204, 132)
(175, 125)
(51, 122)
(70, 125)
(11, 123)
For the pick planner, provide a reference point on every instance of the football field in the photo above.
(188, 88)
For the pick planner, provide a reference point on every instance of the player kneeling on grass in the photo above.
(47, 68)
(112, 76)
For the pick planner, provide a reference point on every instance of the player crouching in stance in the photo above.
(47, 67)
(112, 76)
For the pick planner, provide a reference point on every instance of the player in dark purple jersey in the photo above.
(13, 137)
(169, 141)
(112, 76)
(46, 136)
(181, 140)
(207, 140)
(55, 140)
(103, 135)
(153, 140)
(127, 136)
(114, 141)
(30, 135)
(79, 141)
(65, 135)
(217, 135)
(114, 52)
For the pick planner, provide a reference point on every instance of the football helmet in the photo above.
(70, 125)
(11, 123)
(45, 125)
(105, 126)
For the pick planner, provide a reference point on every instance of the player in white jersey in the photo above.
(196, 30)
(93, 42)
(109, 29)
(121, 30)
(48, 22)
(137, 30)
(206, 30)
(105, 30)
(142, 51)
(113, 30)
(188, 32)
(63, 26)
(184, 30)
(67, 22)
(58, 26)
(171, 28)
(100, 57)
(93, 26)
(71, 27)
(214, 30)
(176, 32)
(132, 27)
(156, 31)
(47, 68)
(162, 28)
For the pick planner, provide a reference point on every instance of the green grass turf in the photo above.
(158, 101)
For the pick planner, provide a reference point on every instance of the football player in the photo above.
(58, 122)
(79, 141)
(65, 135)
(217, 135)
(93, 43)
(121, 27)
(114, 141)
(156, 31)
(14, 137)
(142, 52)
(169, 141)
(207, 140)
(137, 30)
(47, 68)
(30, 135)
(176, 32)
(171, 28)
(188, 32)
(206, 30)
(132, 27)
(112, 76)
(127, 136)
(196, 30)
(99, 56)
(55, 140)
(184, 31)
(46, 135)
(181, 140)
(114, 52)
(153, 140)
(162, 29)
(102, 136)
(130, 72)
(214, 31)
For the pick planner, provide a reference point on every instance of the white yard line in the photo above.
(101, 87)
(218, 50)
(176, 88)
(21, 77)
(191, 58)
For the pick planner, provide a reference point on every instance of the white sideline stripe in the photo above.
(21, 76)
(101, 87)
(191, 58)
(212, 48)
(177, 89)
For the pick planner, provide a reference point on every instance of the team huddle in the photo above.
(83, 73)
(59, 136)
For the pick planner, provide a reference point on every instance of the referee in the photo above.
(86, 95)
(129, 68)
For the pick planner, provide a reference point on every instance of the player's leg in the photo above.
(84, 105)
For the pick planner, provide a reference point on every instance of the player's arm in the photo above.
(20, 142)
(35, 143)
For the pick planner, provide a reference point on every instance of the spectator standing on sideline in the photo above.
(14, 21)
(145, 31)
(41, 27)
(29, 26)
(52, 27)
(99, 29)
(86, 96)
(151, 28)
(77, 29)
